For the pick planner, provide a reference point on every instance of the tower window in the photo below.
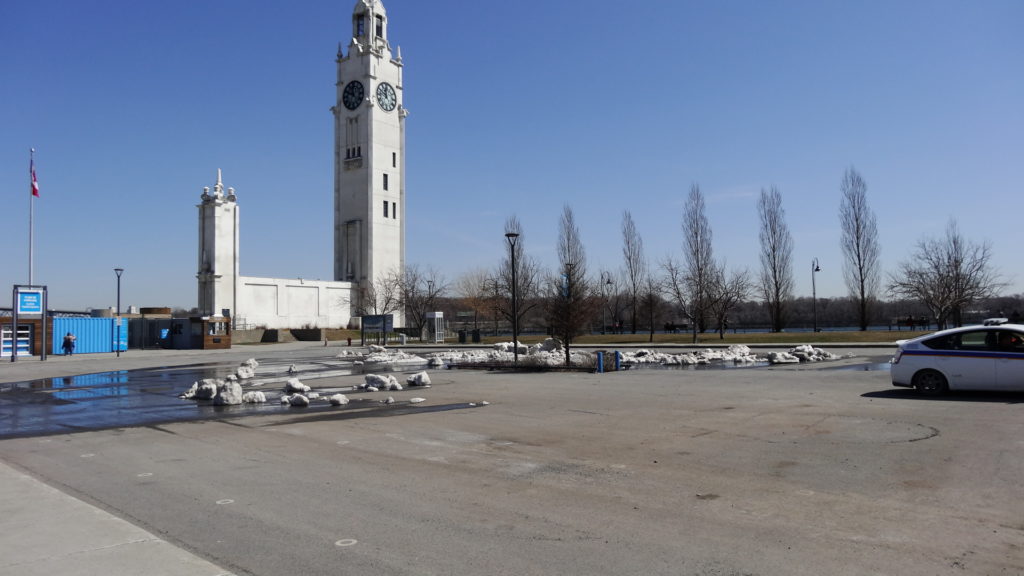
(380, 26)
(385, 181)
(360, 22)
(385, 208)
(394, 211)
(394, 159)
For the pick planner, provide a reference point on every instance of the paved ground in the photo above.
(784, 470)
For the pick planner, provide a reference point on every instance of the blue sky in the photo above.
(515, 109)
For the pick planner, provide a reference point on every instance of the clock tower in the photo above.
(369, 152)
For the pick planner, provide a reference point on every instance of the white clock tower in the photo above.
(369, 152)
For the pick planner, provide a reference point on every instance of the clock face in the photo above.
(386, 96)
(353, 94)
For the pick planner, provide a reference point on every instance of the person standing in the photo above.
(69, 344)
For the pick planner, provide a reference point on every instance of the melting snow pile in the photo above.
(551, 353)
(295, 386)
(548, 353)
(805, 353)
(223, 392)
(737, 354)
(418, 379)
(375, 382)
(381, 355)
(247, 369)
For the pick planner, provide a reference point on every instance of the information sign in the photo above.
(30, 302)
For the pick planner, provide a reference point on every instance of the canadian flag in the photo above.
(32, 171)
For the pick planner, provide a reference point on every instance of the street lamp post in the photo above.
(814, 292)
(606, 282)
(512, 237)
(117, 338)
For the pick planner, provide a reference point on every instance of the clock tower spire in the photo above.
(369, 152)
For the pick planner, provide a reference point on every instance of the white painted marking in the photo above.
(346, 542)
(87, 455)
(225, 501)
(145, 475)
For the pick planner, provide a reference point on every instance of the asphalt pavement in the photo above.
(785, 470)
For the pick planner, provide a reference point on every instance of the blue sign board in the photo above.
(30, 302)
(379, 323)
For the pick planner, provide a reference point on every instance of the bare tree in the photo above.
(419, 291)
(860, 244)
(475, 289)
(382, 296)
(776, 257)
(947, 275)
(698, 259)
(674, 284)
(571, 302)
(652, 305)
(635, 263)
(728, 292)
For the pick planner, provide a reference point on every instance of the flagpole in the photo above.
(31, 208)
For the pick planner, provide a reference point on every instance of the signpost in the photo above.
(28, 300)
(377, 324)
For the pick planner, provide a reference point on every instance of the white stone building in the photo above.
(369, 201)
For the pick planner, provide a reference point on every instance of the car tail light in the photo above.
(897, 356)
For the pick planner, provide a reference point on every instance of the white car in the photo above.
(987, 357)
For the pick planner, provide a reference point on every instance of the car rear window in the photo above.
(940, 343)
(977, 340)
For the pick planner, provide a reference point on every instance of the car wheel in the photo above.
(930, 383)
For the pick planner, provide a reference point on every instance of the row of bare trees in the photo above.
(945, 275)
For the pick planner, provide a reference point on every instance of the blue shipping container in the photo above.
(92, 335)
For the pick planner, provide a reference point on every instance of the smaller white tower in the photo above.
(218, 251)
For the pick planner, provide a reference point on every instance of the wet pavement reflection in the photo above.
(127, 398)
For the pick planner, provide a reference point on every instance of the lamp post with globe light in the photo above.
(814, 292)
(117, 339)
(512, 237)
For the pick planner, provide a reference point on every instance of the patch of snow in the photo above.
(204, 389)
(782, 358)
(397, 357)
(294, 385)
(228, 394)
(298, 401)
(381, 382)
(339, 400)
(808, 353)
(417, 400)
(418, 379)
(510, 347)
(254, 397)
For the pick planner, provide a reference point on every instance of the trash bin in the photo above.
(402, 339)
(462, 336)
(476, 336)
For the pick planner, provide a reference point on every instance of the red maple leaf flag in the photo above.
(32, 171)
